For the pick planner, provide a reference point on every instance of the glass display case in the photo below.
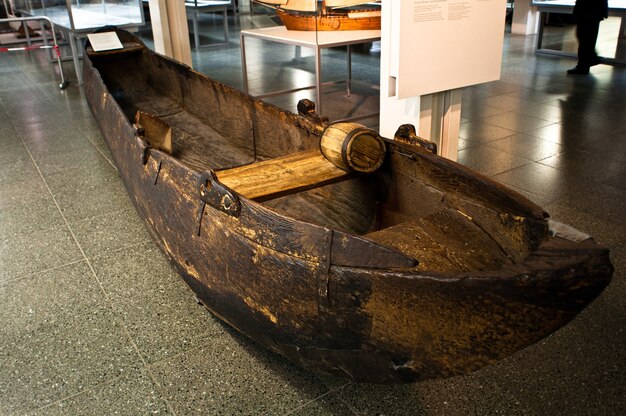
(552, 40)
(85, 15)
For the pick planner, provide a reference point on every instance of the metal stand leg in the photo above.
(349, 79)
(318, 78)
(26, 33)
(620, 49)
(225, 26)
(79, 76)
(196, 35)
(244, 67)
(542, 23)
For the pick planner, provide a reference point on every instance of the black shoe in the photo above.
(578, 70)
(596, 61)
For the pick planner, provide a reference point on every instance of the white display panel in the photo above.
(446, 44)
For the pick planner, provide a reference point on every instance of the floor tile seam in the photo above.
(582, 175)
(98, 216)
(542, 206)
(126, 331)
(488, 144)
(530, 162)
(92, 388)
(134, 345)
(38, 272)
(147, 242)
(526, 102)
(615, 188)
(480, 105)
(532, 133)
(556, 201)
(159, 387)
(87, 137)
(550, 198)
(482, 121)
(517, 113)
(71, 396)
(541, 161)
(552, 103)
(354, 410)
(36, 84)
(26, 232)
(106, 296)
(66, 222)
(191, 350)
(545, 101)
(493, 176)
(118, 310)
(328, 393)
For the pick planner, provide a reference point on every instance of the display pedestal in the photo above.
(437, 117)
(440, 120)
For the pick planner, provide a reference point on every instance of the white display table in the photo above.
(315, 40)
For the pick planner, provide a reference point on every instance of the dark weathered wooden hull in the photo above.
(313, 293)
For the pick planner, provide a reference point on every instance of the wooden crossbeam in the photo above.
(282, 176)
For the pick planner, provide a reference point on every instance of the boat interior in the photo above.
(411, 204)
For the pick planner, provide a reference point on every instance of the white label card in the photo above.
(104, 41)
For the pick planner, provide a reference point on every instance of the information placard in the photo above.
(446, 44)
(105, 41)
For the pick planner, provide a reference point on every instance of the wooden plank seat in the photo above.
(282, 176)
(344, 148)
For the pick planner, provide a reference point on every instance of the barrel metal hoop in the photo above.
(348, 139)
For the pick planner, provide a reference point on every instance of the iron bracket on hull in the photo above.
(217, 195)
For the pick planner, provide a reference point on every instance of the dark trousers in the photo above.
(587, 34)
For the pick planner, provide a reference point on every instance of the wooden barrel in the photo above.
(353, 147)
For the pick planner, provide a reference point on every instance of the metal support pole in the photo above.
(349, 80)
(318, 78)
(244, 67)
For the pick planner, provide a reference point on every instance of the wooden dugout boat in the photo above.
(420, 269)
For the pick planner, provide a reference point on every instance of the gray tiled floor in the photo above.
(93, 321)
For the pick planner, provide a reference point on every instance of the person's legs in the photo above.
(587, 35)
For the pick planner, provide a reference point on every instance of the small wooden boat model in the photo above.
(345, 252)
(326, 15)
